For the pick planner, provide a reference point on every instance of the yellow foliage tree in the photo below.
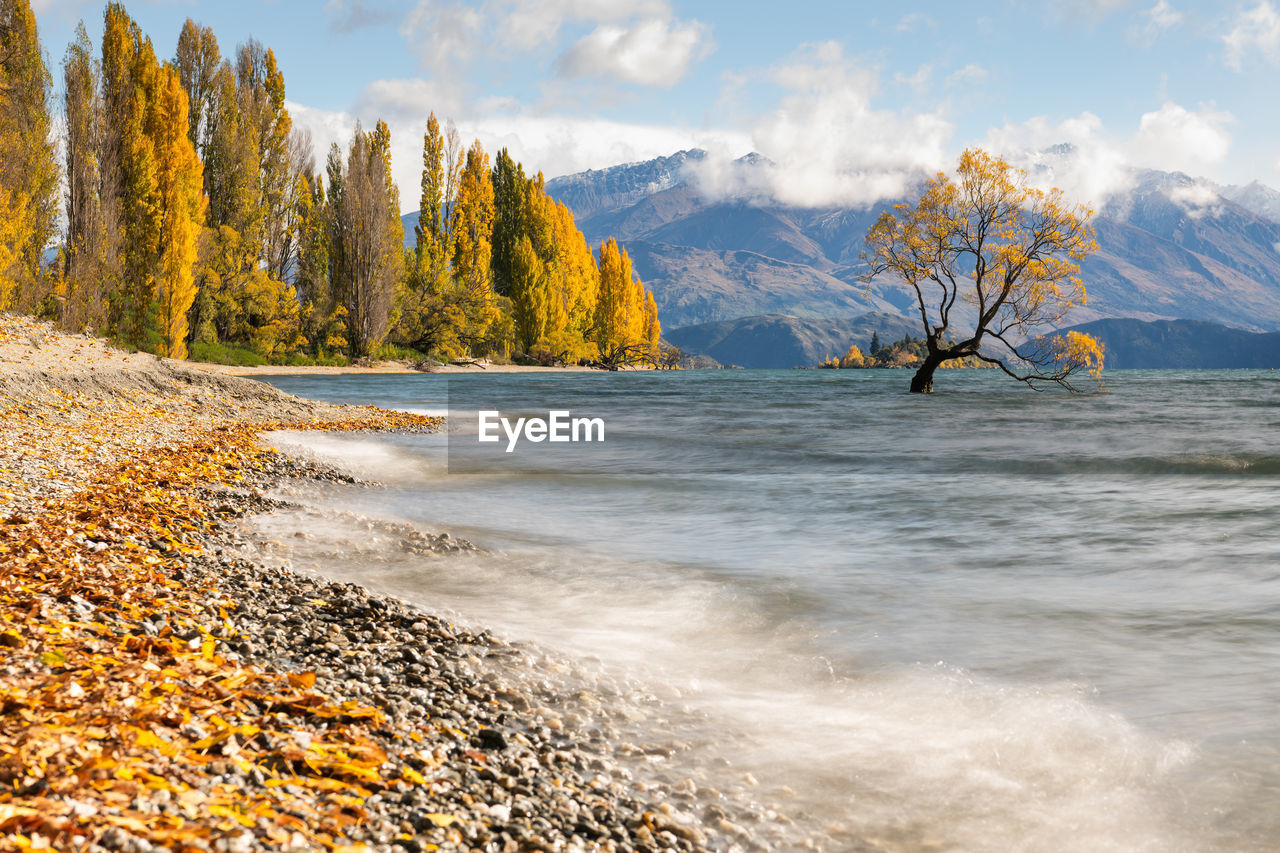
(1011, 252)
(28, 164)
(853, 358)
(619, 330)
(472, 230)
(652, 329)
(179, 178)
(530, 295)
(576, 285)
(12, 229)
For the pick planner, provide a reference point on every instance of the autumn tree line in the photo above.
(196, 220)
(904, 352)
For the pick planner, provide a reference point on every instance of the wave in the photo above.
(711, 696)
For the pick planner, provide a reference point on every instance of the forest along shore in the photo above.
(383, 367)
(158, 693)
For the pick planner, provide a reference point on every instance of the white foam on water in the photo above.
(426, 412)
(924, 757)
(357, 455)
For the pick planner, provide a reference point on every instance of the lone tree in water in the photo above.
(1009, 252)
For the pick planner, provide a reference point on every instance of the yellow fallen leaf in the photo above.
(11, 814)
(302, 680)
(441, 819)
(149, 740)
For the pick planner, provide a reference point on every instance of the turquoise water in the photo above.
(988, 618)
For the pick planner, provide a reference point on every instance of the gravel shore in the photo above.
(526, 758)
(455, 739)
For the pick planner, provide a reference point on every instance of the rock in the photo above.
(489, 739)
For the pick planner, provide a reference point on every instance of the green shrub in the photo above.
(299, 359)
(225, 354)
(395, 352)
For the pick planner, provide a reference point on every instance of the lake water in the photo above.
(986, 619)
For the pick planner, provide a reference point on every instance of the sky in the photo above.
(850, 101)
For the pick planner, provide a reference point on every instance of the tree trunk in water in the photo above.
(922, 382)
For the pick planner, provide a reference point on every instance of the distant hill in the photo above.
(410, 222)
(782, 340)
(1172, 247)
(1186, 344)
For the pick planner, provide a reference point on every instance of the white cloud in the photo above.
(827, 145)
(531, 23)
(409, 100)
(918, 81)
(1073, 155)
(913, 21)
(1162, 16)
(1174, 138)
(1096, 8)
(636, 41)
(971, 73)
(446, 37)
(652, 52)
(1098, 165)
(1255, 30)
(1158, 18)
(350, 15)
(554, 145)
(1196, 198)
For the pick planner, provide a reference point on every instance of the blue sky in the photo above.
(850, 100)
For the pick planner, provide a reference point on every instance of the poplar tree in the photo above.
(510, 219)
(366, 237)
(197, 61)
(652, 329)
(322, 318)
(28, 164)
(472, 232)
(530, 297)
(130, 72)
(182, 206)
(430, 248)
(619, 329)
(90, 250)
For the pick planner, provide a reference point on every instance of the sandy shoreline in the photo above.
(161, 692)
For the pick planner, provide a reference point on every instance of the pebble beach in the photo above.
(162, 690)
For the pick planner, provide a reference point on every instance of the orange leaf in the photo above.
(302, 680)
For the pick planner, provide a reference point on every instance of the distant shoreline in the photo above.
(377, 368)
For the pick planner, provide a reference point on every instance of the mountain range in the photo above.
(784, 340)
(1171, 247)
(1185, 344)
